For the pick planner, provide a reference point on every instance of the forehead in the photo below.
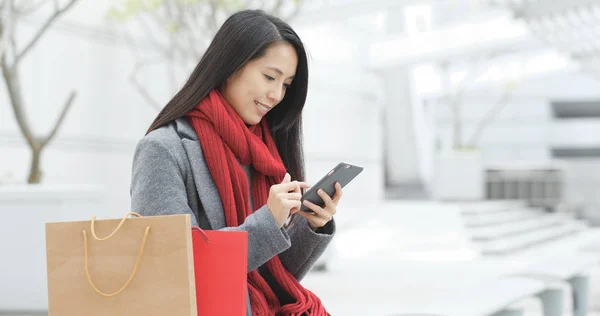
(281, 56)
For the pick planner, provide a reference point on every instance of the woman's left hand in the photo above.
(320, 216)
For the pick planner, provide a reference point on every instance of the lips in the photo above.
(262, 106)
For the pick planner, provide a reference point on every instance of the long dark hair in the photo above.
(243, 37)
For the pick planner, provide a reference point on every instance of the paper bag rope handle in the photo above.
(137, 261)
(93, 224)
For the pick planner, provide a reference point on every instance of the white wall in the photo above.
(402, 156)
(342, 116)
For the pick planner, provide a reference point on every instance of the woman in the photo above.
(226, 148)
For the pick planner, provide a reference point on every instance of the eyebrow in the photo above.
(277, 70)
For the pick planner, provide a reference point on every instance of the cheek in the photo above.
(253, 89)
(246, 89)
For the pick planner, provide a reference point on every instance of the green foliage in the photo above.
(130, 8)
(231, 5)
(127, 9)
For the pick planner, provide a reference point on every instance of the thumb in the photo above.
(286, 178)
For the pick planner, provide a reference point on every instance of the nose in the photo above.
(275, 96)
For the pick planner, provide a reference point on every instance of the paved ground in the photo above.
(381, 282)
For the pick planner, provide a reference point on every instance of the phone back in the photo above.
(342, 173)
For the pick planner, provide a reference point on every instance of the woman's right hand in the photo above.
(284, 198)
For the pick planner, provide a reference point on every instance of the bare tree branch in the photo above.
(455, 100)
(6, 27)
(187, 28)
(456, 107)
(171, 74)
(139, 64)
(192, 21)
(148, 32)
(214, 25)
(294, 13)
(471, 76)
(277, 8)
(490, 115)
(60, 119)
(57, 13)
(140, 87)
(11, 81)
(28, 8)
(184, 39)
(13, 46)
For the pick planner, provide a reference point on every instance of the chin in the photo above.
(252, 120)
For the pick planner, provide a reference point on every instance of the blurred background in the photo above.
(476, 122)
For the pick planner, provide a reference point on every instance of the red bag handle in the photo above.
(202, 232)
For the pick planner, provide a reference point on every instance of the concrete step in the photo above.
(407, 191)
(515, 228)
(500, 218)
(511, 243)
(490, 206)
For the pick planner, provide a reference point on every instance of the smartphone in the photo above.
(342, 173)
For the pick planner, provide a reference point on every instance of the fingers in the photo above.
(291, 196)
(293, 186)
(318, 218)
(327, 199)
(316, 210)
(303, 185)
(338, 193)
(293, 204)
(286, 178)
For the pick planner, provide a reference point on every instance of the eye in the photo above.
(287, 86)
(269, 78)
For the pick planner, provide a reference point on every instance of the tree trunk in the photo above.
(35, 171)
(36, 144)
(456, 123)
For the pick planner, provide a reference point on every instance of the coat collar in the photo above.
(184, 129)
(205, 185)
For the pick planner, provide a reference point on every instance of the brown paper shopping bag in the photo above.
(133, 266)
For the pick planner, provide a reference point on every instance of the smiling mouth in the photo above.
(262, 106)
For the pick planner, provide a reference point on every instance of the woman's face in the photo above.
(261, 84)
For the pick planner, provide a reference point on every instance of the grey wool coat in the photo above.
(170, 176)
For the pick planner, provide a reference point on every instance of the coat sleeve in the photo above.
(158, 188)
(307, 246)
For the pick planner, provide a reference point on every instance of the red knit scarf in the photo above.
(224, 137)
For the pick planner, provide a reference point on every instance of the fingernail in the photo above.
(305, 203)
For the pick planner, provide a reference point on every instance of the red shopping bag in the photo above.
(221, 267)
